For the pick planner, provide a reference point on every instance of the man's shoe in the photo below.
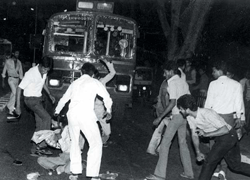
(222, 175)
(36, 154)
(13, 116)
(154, 177)
(186, 176)
(216, 174)
(73, 177)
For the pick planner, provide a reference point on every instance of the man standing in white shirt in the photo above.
(176, 88)
(81, 117)
(32, 85)
(226, 98)
(13, 67)
(207, 123)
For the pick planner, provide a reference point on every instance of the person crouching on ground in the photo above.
(207, 123)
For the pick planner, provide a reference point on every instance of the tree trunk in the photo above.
(190, 22)
(173, 39)
(201, 8)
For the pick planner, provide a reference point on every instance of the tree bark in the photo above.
(190, 22)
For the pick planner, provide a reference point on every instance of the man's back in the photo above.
(224, 95)
(176, 88)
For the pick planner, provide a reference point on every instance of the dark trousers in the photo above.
(226, 147)
(42, 117)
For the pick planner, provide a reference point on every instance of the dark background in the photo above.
(225, 35)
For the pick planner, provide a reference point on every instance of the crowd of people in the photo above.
(187, 100)
(214, 110)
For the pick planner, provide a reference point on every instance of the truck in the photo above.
(91, 33)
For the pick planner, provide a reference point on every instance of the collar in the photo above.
(173, 78)
(223, 77)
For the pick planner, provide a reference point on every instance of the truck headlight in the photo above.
(122, 88)
(54, 82)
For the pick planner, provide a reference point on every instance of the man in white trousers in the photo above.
(81, 117)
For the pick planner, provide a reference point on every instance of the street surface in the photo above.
(126, 155)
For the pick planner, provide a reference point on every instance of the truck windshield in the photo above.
(114, 37)
(71, 35)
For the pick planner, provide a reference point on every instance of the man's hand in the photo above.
(200, 157)
(157, 121)
(108, 116)
(239, 123)
(200, 132)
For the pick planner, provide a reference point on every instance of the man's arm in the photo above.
(239, 108)
(48, 92)
(209, 99)
(111, 73)
(196, 142)
(219, 132)
(21, 71)
(166, 111)
(4, 75)
(164, 98)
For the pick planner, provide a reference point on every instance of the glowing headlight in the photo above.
(122, 88)
(144, 88)
(54, 82)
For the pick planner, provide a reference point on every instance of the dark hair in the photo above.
(187, 101)
(46, 62)
(221, 65)
(171, 65)
(88, 68)
(97, 74)
(181, 62)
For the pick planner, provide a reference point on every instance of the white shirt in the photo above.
(176, 88)
(32, 82)
(225, 96)
(82, 93)
(207, 120)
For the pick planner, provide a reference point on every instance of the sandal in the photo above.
(154, 177)
(186, 176)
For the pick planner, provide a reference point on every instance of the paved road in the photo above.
(126, 155)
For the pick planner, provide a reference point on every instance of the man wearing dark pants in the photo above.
(207, 123)
(226, 98)
(32, 84)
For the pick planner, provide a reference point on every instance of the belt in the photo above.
(13, 77)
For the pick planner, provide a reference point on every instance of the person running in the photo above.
(208, 123)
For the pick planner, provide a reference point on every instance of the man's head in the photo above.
(220, 68)
(181, 63)
(170, 68)
(186, 103)
(16, 53)
(88, 69)
(45, 64)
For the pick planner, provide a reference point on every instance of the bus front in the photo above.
(74, 38)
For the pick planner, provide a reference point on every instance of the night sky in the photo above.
(225, 34)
